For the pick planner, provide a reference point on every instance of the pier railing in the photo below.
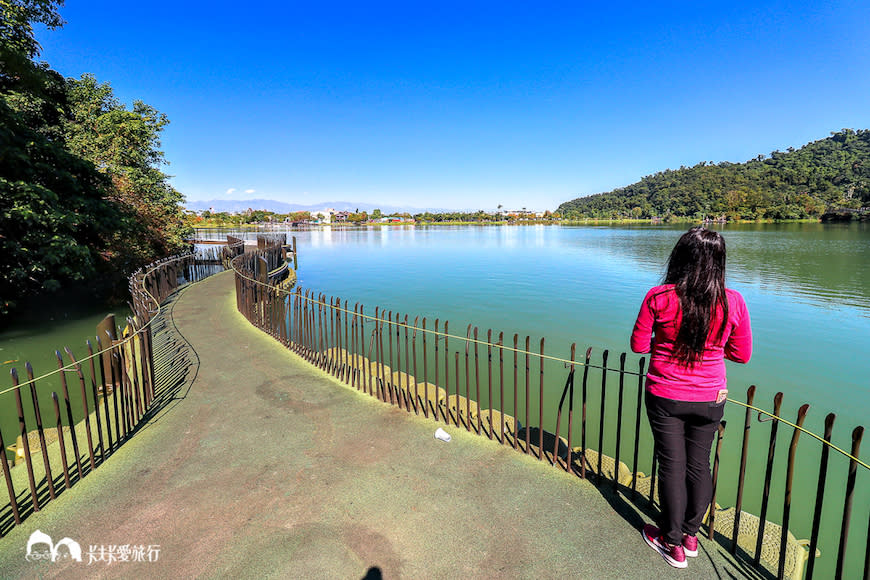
(72, 419)
(235, 247)
(585, 416)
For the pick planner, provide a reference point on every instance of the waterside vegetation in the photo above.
(257, 218)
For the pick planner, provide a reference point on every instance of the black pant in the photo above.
(683, 433)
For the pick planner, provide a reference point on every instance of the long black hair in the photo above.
(696, 268)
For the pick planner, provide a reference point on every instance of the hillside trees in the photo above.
(829, 173)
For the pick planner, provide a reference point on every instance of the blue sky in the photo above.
(468, 105)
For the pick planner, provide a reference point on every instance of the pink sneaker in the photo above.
(673, 554)
(690, 545)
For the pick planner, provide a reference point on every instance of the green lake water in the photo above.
(38, 331)
(807, 287)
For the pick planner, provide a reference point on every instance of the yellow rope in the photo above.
(73, 366)
(430, 331)
(799, 428)
(543, 356)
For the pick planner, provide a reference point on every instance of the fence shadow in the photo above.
(176, 366)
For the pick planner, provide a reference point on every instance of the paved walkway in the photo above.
(263, 467)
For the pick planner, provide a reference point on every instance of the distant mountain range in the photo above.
(239, 205)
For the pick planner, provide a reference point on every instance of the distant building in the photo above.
(322, 216)
(393, 220)
(520, 213)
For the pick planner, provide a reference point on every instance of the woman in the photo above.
(690, 324)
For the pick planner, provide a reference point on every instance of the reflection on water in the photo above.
(822, 264)
(819, 263)
(36, 333)
(807, 286)
(814, 263)
(47, 324)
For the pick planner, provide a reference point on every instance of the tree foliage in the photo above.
(125, 145)
(55, 225)
(803, 183)
(82, 196)
(481, 216)
(17, 18)
(258, 216)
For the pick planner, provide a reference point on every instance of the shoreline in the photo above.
(564, 222)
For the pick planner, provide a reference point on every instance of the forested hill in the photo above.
(825, 175)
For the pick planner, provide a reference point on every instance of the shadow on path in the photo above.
(175, 370)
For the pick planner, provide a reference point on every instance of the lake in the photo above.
(807, 287)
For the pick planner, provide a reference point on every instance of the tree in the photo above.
(18, 46)
(55, 224)
(82, 196)
(125, 146)
(32, 90)
(376, 214)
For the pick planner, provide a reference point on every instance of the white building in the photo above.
(323, 216)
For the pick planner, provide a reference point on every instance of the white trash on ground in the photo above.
(442, 435)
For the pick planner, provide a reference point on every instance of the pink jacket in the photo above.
(655, 331)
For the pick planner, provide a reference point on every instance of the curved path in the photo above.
(260, 466)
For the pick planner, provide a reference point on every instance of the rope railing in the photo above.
(508, 394)
(415, 328)
(773, 417)
(116, 391)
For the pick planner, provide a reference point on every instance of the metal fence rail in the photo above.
(510, 390)
(72, 419)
